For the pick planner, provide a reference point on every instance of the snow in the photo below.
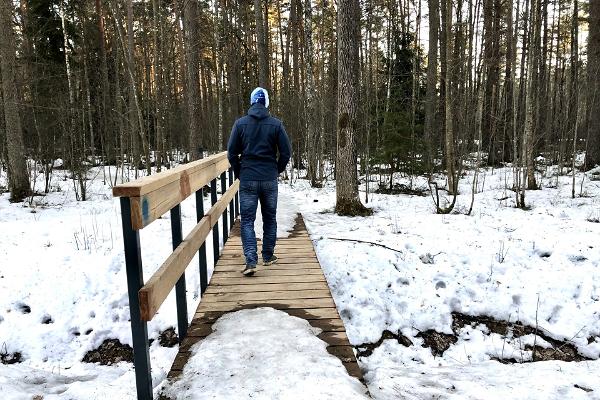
(393, 373)
(495, 263)
(63, 261)
(263, 354)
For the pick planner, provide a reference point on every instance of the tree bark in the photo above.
(449, 131)
(217, 49)
(347, 200)
(263, 61)
(18, 180)
(312, 125)
(592, 157)
(432, 67)
(528, 135)
(190, 22)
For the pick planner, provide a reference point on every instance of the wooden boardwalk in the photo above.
(295, 284)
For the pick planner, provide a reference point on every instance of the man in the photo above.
(252, 151)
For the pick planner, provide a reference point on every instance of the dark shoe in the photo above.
(249, 270)
(270, 261)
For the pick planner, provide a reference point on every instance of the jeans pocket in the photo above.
(269, 186)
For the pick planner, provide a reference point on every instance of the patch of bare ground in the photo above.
(438, 343)
(111, 351)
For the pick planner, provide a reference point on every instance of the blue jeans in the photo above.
(250, 193)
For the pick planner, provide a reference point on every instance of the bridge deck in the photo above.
(295, 284)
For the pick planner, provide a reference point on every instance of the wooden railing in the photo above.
(143, 201)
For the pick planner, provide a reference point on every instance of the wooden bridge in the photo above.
(295, 284)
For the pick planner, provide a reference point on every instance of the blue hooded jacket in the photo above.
(254, 143)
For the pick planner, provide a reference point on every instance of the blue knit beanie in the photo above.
(260, 95)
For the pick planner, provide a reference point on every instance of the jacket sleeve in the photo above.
(285, 149)
(234, 150)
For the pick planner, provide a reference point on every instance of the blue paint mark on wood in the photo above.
(145, 210)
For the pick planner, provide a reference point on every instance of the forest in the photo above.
(440, 85)
(437, 225)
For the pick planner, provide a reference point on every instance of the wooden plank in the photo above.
(307, 313)
(298, 237)
(158, 287)
(150, 206)
(301, 240)
(296, 285)
(147, 184)
(283, 262)
(264, 287)
(344, 352)
(288, 251)
(278, 246)
(334, 338)
(306, 307)
(219, 280)
(262, 270)
(271, 296)
(268, 272)
(353, 370)
(282, 256)
(180, 360)
(203, 329)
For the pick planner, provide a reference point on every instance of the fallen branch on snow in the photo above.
(364, 241)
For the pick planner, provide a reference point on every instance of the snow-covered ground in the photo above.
(63, 292)
(539, 265)
(264, 354)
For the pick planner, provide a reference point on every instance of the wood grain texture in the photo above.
(148, 184)
(295, 285)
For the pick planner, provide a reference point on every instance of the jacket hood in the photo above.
(258, 111)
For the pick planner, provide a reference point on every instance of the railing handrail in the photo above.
(158, 287)
(150, 183)
(154, 195)
(147, 199)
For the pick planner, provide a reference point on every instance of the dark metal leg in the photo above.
(177, 235)
(225, 220)
(231, 206)
(135, 281)
(213, 200)
(202, 251)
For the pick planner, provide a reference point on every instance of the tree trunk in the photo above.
(348, 39)
(449, 131)
(528, 135)
(190, 23)
(159, 86)
(263, 60)
(218, 73)
(108, 146)
(312, 124)
(18, 180)
(432, 66)
(592, 157)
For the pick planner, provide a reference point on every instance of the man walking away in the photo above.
(252, 151)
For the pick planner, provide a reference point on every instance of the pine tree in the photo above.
(347, 200)
(18, 180)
